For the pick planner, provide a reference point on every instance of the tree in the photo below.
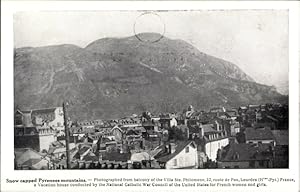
(240, 137)
(176, 134)
(44, 151)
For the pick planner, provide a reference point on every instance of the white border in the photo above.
(8, 8)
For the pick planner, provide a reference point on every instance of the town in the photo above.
(245, 137)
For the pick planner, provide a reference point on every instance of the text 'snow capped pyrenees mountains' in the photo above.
(115, 77)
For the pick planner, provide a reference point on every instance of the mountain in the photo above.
(115, 77)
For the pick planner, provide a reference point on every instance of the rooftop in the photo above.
(116, 156)
(165, 156)
(281, 137)
(245, 152)
(258, 134)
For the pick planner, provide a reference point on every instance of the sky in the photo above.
(254, 40)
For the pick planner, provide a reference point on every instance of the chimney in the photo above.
(201, 132)
(172, 148)
(187, 133)
(223, 109)
(185, 121)
(236, 156)
(217, 125)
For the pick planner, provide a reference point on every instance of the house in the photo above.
(232, 114)
(235, 127)
(245, 155)
(105, 130)
(254, 108)
(129, 122)
(90, 124)
(232, 127)
(178, 156)
(167, 121)
(27, 158)
(194, 132)
(148, 125)
(200, 117)
(76, 134)
(217, 110)
(242, 109)
(62, 164)
(111, 160)
(46, 136)
(57, 149)
(281, 159)
(23, 119)
(36, 128)
(213, 138)
(82, 151)
(259, 135)
(58, 152)
(152, 140)
(270, 121)
(134, 139)
(51, 117)
(107, 144)
(209, 139)
(92, 138)
(133, 134)
(184, 129)
(26, 137)
(118, 133)
(37, 138)
(142, 158)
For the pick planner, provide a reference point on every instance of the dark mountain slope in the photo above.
(116, 77)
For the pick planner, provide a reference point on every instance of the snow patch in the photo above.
(152, 68)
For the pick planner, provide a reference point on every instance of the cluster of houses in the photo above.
(253, 136)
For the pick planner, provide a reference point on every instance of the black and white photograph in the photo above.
(156, 89)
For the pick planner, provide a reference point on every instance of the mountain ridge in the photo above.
(113, 77)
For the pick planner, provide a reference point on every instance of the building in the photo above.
(212, 138)
(118, 133)
(281, 159)
(90, 124)
(27, 158)
(178, 156)
(142, 159)
(51, 117)
(259, 136)
(245, 155)
(217, 110)
(113, 160)
(37, 138)
(37, 128)
(57, 149)
(168, 121)
(130, 122)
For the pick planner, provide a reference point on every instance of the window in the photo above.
(18, 120)
(187, 149)
(20, 132)
(236, 166)
(175, 162)
(251, 164)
